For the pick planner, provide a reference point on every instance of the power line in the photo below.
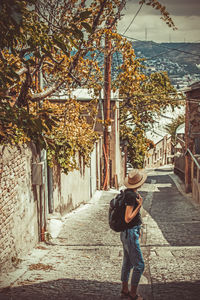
(133, 18)
(162, 46)
(161, 54)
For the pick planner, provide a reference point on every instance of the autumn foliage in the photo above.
(44, 47)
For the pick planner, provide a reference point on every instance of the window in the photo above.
(197, 145)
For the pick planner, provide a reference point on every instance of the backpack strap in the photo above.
(124, 194)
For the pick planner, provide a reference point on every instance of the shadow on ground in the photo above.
(82, 289)
(175, 215)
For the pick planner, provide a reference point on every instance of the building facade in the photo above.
(192, 141)
(33, 194)
(161, 154)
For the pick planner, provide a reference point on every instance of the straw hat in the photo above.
(135, 178)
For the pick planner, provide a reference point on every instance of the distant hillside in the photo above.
(187, 54)
(179, 60)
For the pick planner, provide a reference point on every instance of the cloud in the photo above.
(174, 7)
(152, 28)
(148, 23)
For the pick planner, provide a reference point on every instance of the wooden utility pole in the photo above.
(107, 94)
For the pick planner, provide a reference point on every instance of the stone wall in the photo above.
(18, 210)
(26, 209)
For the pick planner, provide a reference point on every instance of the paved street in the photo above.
(84, 261)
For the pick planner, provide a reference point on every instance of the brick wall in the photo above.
(18, 210)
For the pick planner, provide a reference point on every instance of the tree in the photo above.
(53, 37)
(43, 50)
(144, 97)
(173, 125)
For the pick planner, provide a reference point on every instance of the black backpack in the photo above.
(116, 213)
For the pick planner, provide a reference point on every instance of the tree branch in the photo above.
(22, 98)
(39, 64)
(96, 20)
(120, 8)
(23, 52)
(46, 93)
(22, 71)
(127, 119)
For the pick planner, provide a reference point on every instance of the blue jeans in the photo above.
(132, 255)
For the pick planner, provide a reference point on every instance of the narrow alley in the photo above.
(84, 260)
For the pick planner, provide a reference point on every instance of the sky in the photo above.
(148, 25)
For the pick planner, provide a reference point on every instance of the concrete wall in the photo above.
(118, 157)
(179, 166)
(122, 170)
(99, 155)
(78, 186)
(93, 171)
(25, 209)
(20, 210)
(23, 213)
(70, 190)
(75, 189)
(18, 214)
(115, 152)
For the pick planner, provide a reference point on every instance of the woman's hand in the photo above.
(130, 213)
(139, 200)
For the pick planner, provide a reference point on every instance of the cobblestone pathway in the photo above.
(173, 239)
(84, 261)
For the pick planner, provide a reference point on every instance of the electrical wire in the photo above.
(160, 54)
(161, 46)
(133, 18)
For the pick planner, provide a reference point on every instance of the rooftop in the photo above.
(81, 95)
(194, 86)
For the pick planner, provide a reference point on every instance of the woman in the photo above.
(132, 258)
